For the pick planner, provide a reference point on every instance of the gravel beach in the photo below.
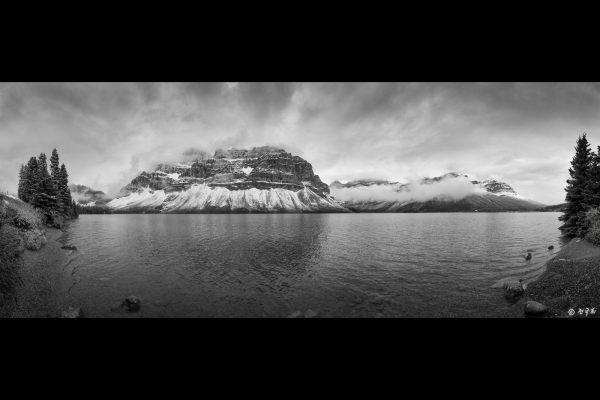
(570, 286)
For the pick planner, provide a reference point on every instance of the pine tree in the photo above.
(22, 182)
(55, 169)
(576, 189)
(54, 165)
(32, 186)
(592, 190)
(63, 190)
(47, 200)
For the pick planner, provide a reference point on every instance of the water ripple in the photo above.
(337, 264)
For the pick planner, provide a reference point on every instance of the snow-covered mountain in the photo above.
(268, 180)
(259, 180)
(446, 193)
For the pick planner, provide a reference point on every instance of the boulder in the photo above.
(528, 257)
(550, 247)
(513, 289)
(310, 314)
(67, 247)
(296, 314)
(533, 308)
(72, 312)
(132, 304)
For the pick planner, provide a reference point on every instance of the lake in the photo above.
(338, 265)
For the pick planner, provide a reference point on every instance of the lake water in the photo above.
(338, 265)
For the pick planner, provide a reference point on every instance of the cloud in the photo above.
(522, 133)
(455, 189)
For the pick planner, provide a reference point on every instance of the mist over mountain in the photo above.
(268, 179)
(83, 194)
(449, 192)
(255, 180)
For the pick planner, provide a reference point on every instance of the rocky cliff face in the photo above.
(262, 179)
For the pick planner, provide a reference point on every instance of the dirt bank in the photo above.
(571, 281)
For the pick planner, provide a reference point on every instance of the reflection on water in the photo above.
(347, 265)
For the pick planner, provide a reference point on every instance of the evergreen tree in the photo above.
(573, 217)
(54, 168)
(63, 190)
(592, 190)
(22, 182)
(32, 186)
(47, 194)
(48, 191)
(54, 165)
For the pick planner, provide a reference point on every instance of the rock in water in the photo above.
(533, 308)
(513, 289)
(72, 313)
(550, 247)
(132, 304)
(67, 247)
(528, 256)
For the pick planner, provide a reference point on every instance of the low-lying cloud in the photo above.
(455, 189)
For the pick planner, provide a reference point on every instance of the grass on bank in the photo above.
(21, 227)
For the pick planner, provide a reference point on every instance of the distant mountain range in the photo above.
(270, 180)
(464, 196)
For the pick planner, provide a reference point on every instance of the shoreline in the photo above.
(307, 212)
(40, 292)
(570, 282)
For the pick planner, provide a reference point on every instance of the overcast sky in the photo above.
(106, 133)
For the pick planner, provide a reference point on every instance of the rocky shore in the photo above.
(570, 286)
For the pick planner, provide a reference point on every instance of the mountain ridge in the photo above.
(268, 179)
(484, 196)
(257, 180)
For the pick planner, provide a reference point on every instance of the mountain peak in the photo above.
(261, 179)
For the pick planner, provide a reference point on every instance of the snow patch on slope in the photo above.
(201, 197)
(144, 198)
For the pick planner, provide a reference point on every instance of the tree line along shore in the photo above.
(570, 285)
(43, 201)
